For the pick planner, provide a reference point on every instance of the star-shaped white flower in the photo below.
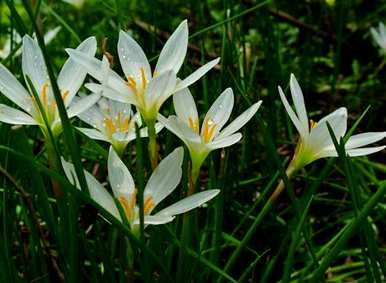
(379, 35)
(113, 122)
(201, 141)
(315, 141)
(70, 79)
(141, 88)
(161, 183)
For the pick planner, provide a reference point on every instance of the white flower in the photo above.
(379, 35)
(162, 183)
(70, 79)
(113, 122)
(141, 88)
(6, 49)
(211, 136)
(315, 141)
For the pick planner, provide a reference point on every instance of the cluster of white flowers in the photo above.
(108, 110)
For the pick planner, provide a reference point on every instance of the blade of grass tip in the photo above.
(349, 228)
(289, 262)
(67, 128)
(250, 268)
(88, 200)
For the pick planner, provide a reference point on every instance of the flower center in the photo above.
(128, 207)
(313, 124)
(148, 205)
(137, 89)
(208, 130)
(193, 124)
(119, 124)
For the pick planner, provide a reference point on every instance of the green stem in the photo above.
(267, 207)
(53, 163)
(152, 147)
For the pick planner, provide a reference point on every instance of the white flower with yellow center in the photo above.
(379, 35)
(201, 142)
(113, 122)
(315, 141)
(70, 79)
(141, 88)
(162, 183)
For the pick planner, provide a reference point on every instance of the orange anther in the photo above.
(148, 205)
(143, 78)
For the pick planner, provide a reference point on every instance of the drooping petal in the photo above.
(240, 121)
(97, 192)
(220, 111)
(72, 74)
(154, 220)
(96, 68)
(364, 151)
(33, 64)
(82, 104)
(320, 136)
(93, 134)
(298, 99)
(13, 90)
(185, 108)
(364, 139)
(179, 128)
(295, 120)
(188, 203)
(174, 51)
(160, 89)
(165, 177)
(121, 181)
(132, 58)
(225, 141)
(111, 93)
(196, 75)
(13, 116)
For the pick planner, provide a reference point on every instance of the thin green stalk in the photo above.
(152, 147)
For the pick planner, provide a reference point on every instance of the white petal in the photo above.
(320, 136)
(13, 116)
(180, 129)
(173, 53)
(185, 106)
(13, 90)
(240, 121)
(51, 34)
(364, 151)
(72, 75)
(224, 142)
(160, 89)
(377, 37)
(111, 93)
(154, 220)
(292, 115)
(97, 192)
(82, 105)
(218, 114)
(196, 75)
(92, 116)
(298, 99)
(165, 177)
(96, 69)
(121, 181)
(132, 58)
(364, 139)
(33, 64)
(188, 203)
(93, 134)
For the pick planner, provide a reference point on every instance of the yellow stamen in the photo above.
(125, 125)
(109, 125)
(132, 83)
(65, 94)
(128, 207)
(313, 124)
(193, 124)
(143, 78)
(44, 94)
(208, 131)
(148, 205)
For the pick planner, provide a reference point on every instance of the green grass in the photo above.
(327, 225)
